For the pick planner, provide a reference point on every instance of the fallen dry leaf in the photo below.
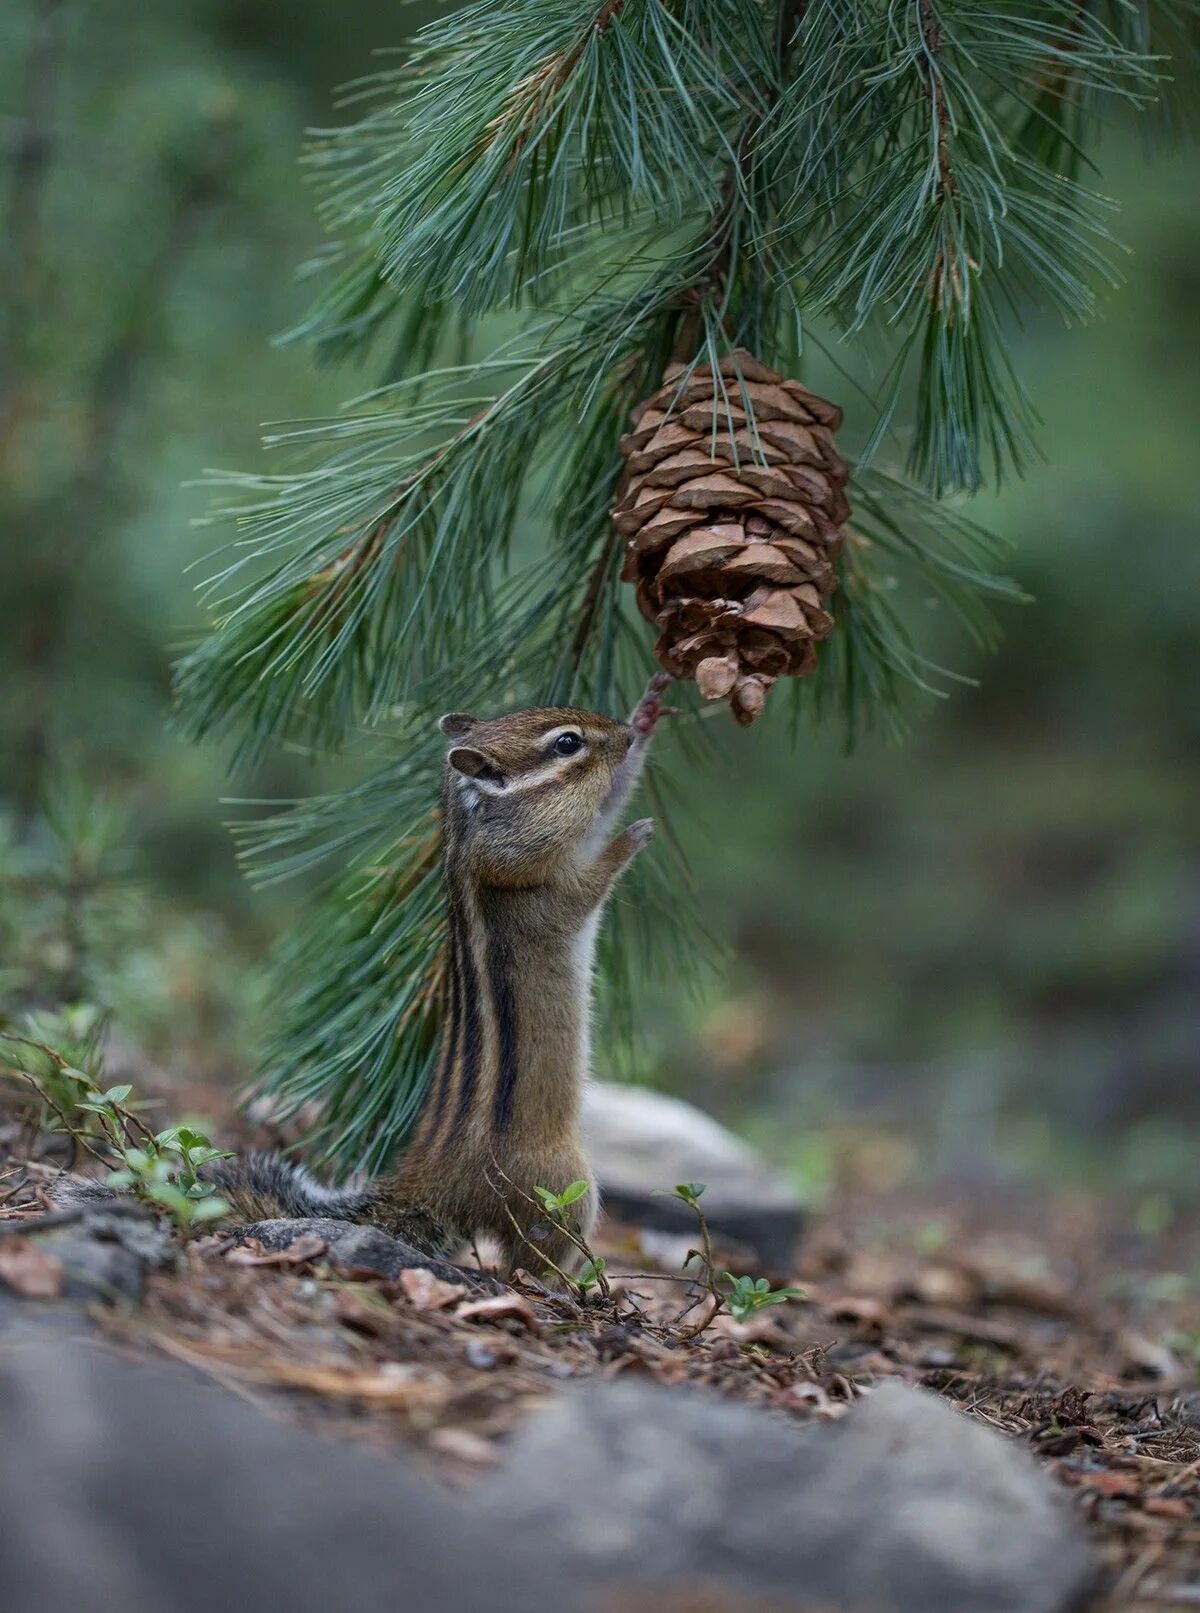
(500, 1308)
(485, 1353)
(29, 1270)
(425, 1292)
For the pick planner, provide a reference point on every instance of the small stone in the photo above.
(642, 1142)
(354, 1250)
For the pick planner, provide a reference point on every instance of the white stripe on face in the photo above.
(543, 775)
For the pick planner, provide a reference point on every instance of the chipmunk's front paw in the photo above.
(641, 832)
(650, 707)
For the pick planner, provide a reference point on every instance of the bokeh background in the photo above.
(974, 954)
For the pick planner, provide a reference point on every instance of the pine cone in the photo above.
(732, 526)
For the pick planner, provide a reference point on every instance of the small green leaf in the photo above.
(749, 1294)
(118, 1094)
(167, 1194)
(210, 1209)
(569, 1195)
(780, 1296)
(205, 1155)
(591, 1273)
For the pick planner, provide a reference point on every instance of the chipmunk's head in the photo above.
(533, 782)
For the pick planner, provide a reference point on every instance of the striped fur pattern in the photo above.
(529, 805)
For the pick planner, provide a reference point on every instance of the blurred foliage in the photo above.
(991, 934)
(81, 935)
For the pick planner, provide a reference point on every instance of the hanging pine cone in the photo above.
(732, 526)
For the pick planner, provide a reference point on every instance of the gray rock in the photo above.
(105, 1249)
(640, 1142)
(904, 1506)
(357, 1249)
(135, 1487)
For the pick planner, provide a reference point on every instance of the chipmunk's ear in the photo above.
(472, 763)
(456, 723)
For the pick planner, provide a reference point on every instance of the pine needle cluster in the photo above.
(529, 216)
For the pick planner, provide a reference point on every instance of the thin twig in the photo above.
(710, 1281)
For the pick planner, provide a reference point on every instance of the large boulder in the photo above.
(135, 1488)
(904, 1506)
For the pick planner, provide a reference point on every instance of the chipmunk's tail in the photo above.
(268, 1187)
(258, 1187)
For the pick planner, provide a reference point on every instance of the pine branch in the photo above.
(924, 204)
(575, 194)
(511, 128)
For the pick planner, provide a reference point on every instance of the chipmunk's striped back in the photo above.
(449, 1105)
(520, 799)
(529, 801)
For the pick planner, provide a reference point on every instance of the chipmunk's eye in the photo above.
(568, 744)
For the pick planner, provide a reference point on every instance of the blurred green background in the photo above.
(985, 942)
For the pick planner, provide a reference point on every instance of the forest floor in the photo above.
(1041, 1316)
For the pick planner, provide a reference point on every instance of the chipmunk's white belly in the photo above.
(583, 964)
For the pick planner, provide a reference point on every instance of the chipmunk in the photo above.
(529, 802)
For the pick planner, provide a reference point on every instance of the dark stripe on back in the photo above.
(504, 1001)
(471, 1047)
(451, 1034)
